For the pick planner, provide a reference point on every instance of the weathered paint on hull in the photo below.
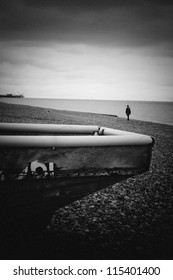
(76, 160)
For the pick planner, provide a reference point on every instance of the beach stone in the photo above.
(114, 203)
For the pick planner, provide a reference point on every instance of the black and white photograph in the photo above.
(86, 129)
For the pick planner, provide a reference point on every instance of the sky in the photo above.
(87, 49)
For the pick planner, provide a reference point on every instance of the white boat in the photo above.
(46, 166)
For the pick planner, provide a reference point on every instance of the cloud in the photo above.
(108, 23)
(94, 4)
(86, 45)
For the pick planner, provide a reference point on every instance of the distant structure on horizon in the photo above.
(10, 95)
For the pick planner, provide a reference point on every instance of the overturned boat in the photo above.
(46, 166)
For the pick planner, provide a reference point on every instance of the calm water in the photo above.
(159, 112)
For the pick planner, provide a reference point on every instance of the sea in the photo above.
(157, 112)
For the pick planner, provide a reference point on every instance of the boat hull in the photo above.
(40, 173)
(76, 161)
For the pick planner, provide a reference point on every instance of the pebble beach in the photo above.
(132, 219)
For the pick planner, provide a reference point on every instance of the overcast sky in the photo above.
(111, 49)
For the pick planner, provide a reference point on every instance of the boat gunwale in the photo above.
(93, 136)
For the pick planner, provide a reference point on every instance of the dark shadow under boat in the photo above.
(45, 167)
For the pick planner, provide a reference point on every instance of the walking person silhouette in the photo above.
(128, 112)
